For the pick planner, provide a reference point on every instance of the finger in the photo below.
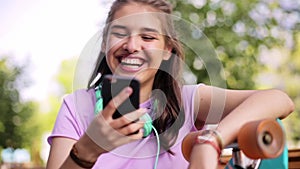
(128, 118)
(131, 129)
(127, 139)
(137, 135)
(116, 102)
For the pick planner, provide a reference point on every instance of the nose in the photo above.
(132, 44)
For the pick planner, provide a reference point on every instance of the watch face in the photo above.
(204, 138)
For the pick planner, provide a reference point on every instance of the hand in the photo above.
(203, 156)
(109, 133)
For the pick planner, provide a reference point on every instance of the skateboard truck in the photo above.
(256, 141)
(240, 160)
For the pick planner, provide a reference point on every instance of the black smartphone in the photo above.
(112, 85)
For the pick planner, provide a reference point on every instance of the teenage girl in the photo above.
(140, 42)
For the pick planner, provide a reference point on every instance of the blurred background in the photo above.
(257, 41)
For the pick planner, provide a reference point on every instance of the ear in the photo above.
(103, 47)
(168, 52)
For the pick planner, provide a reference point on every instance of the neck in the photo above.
(146, 91)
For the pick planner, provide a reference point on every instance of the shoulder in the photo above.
(82, 100)
(189, 94)
(80, 95)
(190, 90)
(74, 115)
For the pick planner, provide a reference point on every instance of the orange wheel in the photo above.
(187, 144)
(261, 139)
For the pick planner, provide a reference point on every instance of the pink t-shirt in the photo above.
(77, 111)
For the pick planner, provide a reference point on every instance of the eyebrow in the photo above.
(150, 30)
(118, 27)
(145, 29)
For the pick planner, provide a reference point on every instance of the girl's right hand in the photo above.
(109, 133)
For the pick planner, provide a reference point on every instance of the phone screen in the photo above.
(112, 85)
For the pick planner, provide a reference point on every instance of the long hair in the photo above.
(167, 78)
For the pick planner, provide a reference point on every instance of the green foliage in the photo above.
(66, 75)
(16, 129)
(241, 31)
(290, 74)
(64, 79)
(237, 30)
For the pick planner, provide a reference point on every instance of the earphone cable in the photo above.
(158, 147)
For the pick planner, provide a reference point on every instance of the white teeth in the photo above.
(131, 61)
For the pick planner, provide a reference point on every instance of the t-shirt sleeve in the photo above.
(74, 116)
(188, 98)
(65, 124)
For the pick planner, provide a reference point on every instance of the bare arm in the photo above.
(61, 147)
(238, 108)
(212, 104)
(59, 151)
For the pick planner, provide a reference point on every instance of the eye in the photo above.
(119, 34)
(148, 37)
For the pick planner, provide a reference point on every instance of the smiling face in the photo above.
(135, 45)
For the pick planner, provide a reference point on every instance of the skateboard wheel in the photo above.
(261, 139)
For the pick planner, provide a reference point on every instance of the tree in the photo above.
(16, 130)
(288, 75)
(64, 78)
(239, 30)
(244, 33)
(44, 120)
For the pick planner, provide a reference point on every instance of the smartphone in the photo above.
(112, 85)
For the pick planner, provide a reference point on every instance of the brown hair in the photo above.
(167, 79)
